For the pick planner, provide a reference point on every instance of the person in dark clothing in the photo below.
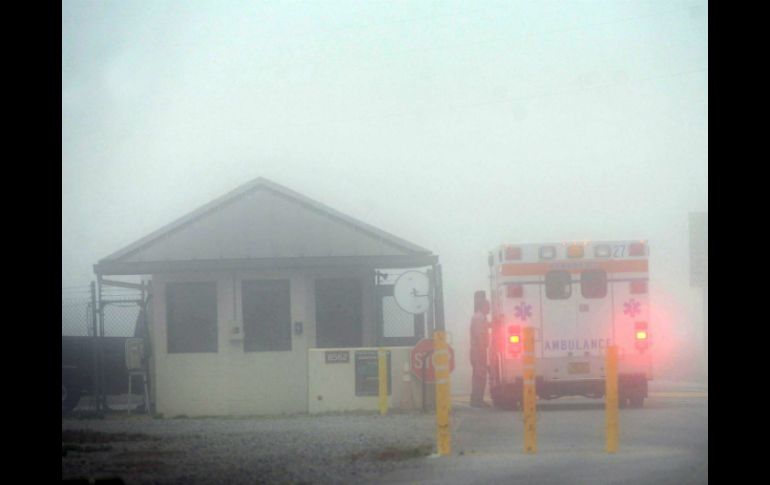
(479, 343)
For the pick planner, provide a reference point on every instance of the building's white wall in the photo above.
(231, 381)
(332, 387)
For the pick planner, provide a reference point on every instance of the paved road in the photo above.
(665, 442)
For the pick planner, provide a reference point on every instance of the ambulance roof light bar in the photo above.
(636, 249)
(575, 251)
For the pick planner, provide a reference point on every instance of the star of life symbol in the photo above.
(632, 308)
(522, 311)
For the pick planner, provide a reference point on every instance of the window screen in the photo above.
(593, 283)
(191, 317)
(558, 285)
(396, 327)
(266, 315)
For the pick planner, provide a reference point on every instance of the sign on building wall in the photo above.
(367, 373)
(699, 249)
(337, 356)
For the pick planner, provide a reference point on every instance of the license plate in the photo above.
(579, 368)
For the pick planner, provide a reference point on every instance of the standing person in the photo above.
(479, 343)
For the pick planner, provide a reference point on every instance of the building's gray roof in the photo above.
(263, 225)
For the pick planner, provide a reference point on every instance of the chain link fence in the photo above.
(395, 321)
(93, 344)
(119, 315)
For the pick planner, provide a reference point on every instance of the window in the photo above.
(558, 285)
(338, 312)
(266, 315)
(593, 283)
(191, 316)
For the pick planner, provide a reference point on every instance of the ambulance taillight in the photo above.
(640, 335)
(514, 340)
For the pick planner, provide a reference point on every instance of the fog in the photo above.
(458, 126)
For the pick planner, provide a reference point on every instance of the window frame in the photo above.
(592, 296)
(548, 291)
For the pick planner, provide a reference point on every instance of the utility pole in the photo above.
(94, 342)
(706, 328)
(699, 270)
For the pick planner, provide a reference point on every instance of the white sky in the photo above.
(455, 125)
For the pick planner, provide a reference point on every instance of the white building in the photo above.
(249, 293)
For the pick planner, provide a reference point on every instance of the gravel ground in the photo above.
(346, 448)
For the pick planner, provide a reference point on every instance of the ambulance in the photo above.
(579, 297)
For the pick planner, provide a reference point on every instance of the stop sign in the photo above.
(421, 360)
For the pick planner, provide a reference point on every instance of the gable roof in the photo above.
(258, 225)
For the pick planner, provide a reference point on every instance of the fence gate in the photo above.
(96, 322)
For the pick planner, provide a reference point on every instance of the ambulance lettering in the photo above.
(577, 344)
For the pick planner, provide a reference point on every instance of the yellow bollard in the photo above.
(530, 396)
(611, 398)
(382, 368)
(443, 403)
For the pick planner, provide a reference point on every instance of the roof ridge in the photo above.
(242, 190)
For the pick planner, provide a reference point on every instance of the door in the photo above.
(560, 314)
(594, 319)
(338, 308)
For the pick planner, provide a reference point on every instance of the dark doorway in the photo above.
(338, 304)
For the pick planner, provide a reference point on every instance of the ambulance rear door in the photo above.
(559, 313)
